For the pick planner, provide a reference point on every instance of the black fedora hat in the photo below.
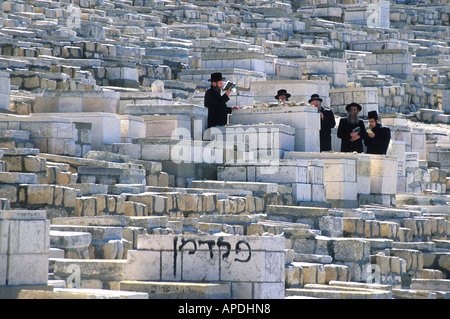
(216, 77)
(353, 104)
(372, 115)
(282, 92)
(315, 97)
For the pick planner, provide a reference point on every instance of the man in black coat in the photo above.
(216, 103)
(378, 137)
(327, 122)
(351, 130)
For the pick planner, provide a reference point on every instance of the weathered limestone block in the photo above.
(366, 97)
(74, 244)
(96, 273)
(244, 252)
(312, 273)
(304, 119)
(174, 290)
(80, 293)
(110, 204)
(5, 91)
(383, 174)
(25, 247)
(414, 260)
(430, 284)
(135, 209)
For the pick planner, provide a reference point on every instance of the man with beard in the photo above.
(378, 137)
(216, 103)
(327, 122)
(351, 130)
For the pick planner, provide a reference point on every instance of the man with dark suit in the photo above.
(327, 122)
(351, 130)
(378, 136)
(216, 103)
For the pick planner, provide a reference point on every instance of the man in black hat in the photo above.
(378, 136)
(351, 130)
(216, 103)
(327, 122)
(282, 95)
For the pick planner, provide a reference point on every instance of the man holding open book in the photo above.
(351, 130)
(216, 103)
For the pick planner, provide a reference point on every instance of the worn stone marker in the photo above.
(5, 91)
(304, 119)
(24, 251)
(254, 265)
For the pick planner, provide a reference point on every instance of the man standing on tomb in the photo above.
(378, 136)
(327, 122)
(351, 130)
(282, 96)
(216, 103)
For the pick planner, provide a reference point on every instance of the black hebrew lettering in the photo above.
(210, 244)
(238, 250)
(184, 242)
(175, 240)
(221, 243)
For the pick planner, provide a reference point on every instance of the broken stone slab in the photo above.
(254, 187)
(178, 290)
(118, 189)
(80, 293)
(107, 156)
(148, 222)
(75, 162)
(98, 233)
(330, 222)
(107, 220)
(69, 239)
(383, 292)
(337, 293)
(312, 258)
(352, 284)
(90, 188)
(111, 175)
(422, 246)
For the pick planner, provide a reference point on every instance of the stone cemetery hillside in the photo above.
(113, 187)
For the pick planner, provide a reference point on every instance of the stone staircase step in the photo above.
(18, 178)
(80, 293)
(352, 284)
(413, 294)
(312, 258)
(179, 290)
(321, 291)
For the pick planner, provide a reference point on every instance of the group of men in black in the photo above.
(351, 129)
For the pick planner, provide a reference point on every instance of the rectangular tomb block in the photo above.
(208, 258)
